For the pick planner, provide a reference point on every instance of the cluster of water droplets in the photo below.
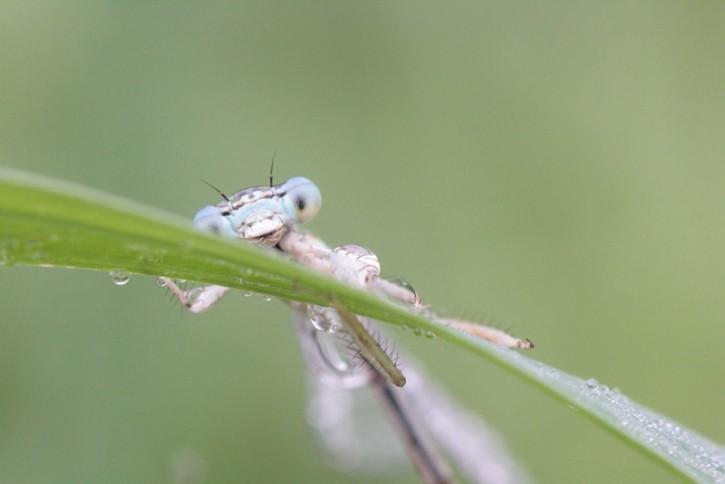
(700, 458)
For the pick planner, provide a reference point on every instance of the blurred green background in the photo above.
(556, 168)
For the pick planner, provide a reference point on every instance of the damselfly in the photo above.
(343, 351)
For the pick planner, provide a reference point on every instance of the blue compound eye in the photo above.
(209, 219)
(303, 196)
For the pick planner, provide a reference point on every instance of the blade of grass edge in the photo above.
(49, 222)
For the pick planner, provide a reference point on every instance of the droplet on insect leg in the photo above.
(192, 295)
(323, 319)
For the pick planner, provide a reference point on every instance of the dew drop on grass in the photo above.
(120, 277)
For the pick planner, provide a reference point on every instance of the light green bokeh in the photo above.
(556, 168)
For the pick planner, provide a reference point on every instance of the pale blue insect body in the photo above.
(262, 215)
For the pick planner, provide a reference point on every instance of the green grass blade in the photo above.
(47, 222)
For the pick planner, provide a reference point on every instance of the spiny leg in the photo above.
(369, 348)
(359, 267)
(353, 265)
(198, 299)
(408, 296)
(495, 336)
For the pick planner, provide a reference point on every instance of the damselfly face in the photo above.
(262, 215)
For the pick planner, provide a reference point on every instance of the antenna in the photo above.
(215, 189)
(271, 168)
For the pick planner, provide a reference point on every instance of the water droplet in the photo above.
(430, 335)
(418, 331)
(323, 319)
(266, 297)
(592, 383)
(120, 277)
(161, 282)
(248, 293)
(193, 294)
